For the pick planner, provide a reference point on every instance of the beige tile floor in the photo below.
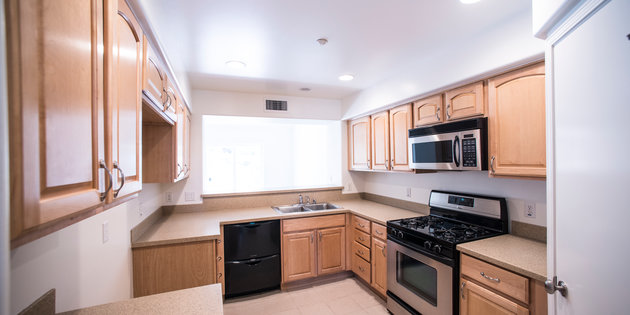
(347, 296)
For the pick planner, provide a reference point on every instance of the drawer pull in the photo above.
(360, 252)
(362, 269)
(497, 280)
(361, 225)
(361, 239)
(378, 232)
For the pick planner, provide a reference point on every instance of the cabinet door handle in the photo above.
(437, 113)
(219, 275)
(461, 289)
(218, 241)
(320, 236)
(122, 183)
(497, 280)
(492, 164)
(109, 174)
(448, 106)
(383, 251)
(312, 237)
(219, 258)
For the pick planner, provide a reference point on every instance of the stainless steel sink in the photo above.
(290, 209)
(321, 206)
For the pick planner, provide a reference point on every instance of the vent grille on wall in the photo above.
(276, 105)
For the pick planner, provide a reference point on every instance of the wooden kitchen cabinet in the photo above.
(359, 151)
(428, 111)
(516, 123)
(313, 246)
(123, 94)
(466, 101)
(400, 121)
(489, 289)
(379, 125)
(153, 78)
(164, 268)
(298, 256)
(331, 250)
(379, 265)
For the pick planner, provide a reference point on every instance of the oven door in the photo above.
(435, 152)
(423, 283)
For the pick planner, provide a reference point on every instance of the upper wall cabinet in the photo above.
(400, 119)
(379, 124)
(516, 122)
(153, 77)
(125, 113)
(465, 101)
(62, 132)
(359, 144)
(428, 111)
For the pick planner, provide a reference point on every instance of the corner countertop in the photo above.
(206, 225)
(517, 254)
(199, 300)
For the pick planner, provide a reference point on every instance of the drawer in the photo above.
(312, 223)
(361, 268)
(361, 224)
(362, 237)
(496, 278)
(379, 231)
(361, 250)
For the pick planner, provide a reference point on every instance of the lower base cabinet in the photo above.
(158, 269)
(369, 253)
(379, 265)
(489, 289)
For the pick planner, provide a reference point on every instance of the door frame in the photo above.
(567, 25)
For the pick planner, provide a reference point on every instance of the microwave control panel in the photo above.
(469, 147)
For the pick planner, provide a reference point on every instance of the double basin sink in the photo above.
(305, 207)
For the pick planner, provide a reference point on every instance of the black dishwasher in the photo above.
(252, 257)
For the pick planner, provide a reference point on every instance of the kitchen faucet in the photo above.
(300, 200)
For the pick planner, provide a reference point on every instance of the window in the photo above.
(246, 154)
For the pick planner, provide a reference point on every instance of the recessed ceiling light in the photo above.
(235, 64)
(468, 1)
(346, 77)
(305, 89)
(322, 41)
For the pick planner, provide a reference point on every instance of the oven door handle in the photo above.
(445, 260)
(456, 149)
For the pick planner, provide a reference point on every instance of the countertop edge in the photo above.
(503, 264)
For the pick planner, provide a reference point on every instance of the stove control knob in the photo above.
(437, 249)
(427, 244)
(400, 234)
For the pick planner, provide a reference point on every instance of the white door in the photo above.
(588, 186)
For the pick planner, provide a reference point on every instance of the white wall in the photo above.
(516, 191)
(240, 104)
(75, 261)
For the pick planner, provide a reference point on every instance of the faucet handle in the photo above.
(313, 201)
(308, 199)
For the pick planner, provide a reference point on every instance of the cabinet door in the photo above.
(298, 256)
(359, 142)
(379, 265)
(476, 300)
(187, 142)
(124, 101)
(379, 124)
(399, 124)
(516, 122)
(153, 80)
(466, 101)
(56, 128)
(180, 134)
(428, 111)
(158, 269)
(331, 250)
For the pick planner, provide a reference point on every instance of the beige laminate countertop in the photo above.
(205, 225)
(199, 300)
(517, 254)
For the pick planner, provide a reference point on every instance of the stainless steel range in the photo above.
(422, 262)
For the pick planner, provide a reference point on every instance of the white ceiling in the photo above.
(371, 39)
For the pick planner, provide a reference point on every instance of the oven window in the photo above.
(420, 278)
(433, 152)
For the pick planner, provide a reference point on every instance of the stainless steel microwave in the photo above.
(459, 146)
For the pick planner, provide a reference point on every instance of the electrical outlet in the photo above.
(169, 196)
(530, 209)
(408, 192)
(190, 196)
(105, 232)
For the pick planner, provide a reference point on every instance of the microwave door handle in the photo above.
(456, 149)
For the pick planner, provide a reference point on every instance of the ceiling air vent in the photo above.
(276, 105)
